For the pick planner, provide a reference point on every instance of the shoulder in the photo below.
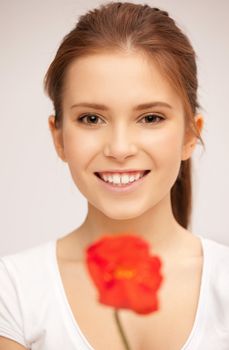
(26, 265)
(217, 257)
(217, 251)
(29, 254)
(21, 290)
(217, 265)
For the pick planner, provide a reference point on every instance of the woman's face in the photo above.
(121, 135)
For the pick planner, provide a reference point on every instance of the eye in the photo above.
(152, 118)
(89, 119)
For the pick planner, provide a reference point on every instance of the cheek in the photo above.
(165, 149)
(79, 146)
(165, 145)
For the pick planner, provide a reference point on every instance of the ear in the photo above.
(191, 139)
(57, 137)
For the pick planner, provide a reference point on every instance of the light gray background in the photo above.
(38, 199)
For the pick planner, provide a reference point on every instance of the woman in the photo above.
(126, 122)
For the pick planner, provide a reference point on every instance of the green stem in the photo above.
(117, 319)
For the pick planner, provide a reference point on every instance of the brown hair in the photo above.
(117, 26)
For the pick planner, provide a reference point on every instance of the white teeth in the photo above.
(116, 179)
(126, 179)
(137, 176)
(132, 178)
(121, 179)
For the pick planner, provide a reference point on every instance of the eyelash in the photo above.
(80, 119)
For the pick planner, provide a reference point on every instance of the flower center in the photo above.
(123, 273)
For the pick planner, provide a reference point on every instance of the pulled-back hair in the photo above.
(129, 27)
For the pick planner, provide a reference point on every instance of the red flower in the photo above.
(124, 272)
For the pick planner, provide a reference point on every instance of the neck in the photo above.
(157, 226)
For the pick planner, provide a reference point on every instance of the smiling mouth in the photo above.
(123, 179)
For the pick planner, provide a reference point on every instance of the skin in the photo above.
(124, 139)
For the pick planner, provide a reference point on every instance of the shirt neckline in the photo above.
(200, 307)
(68, 313)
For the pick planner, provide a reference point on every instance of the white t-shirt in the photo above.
(34, 310)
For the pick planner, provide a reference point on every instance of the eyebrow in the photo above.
(136, 108)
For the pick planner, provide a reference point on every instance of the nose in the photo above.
(121, 144)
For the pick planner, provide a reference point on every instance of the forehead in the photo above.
(118, 78)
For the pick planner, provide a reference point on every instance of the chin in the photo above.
(121, 213)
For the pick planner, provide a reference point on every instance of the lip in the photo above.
(124, 188)
(121, 171)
